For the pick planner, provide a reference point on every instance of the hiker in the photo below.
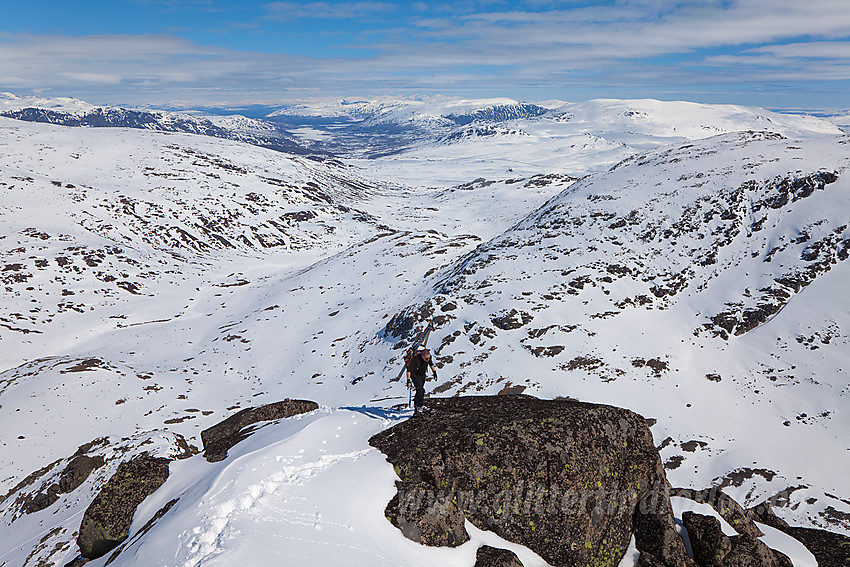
(416, 371)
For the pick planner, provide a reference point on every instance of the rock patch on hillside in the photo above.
(571, 481)
(106, 522)
(830, 549)
(219, 438)
(74, 474)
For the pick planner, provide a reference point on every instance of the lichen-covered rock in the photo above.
(569, 480)
(710, 545)
(713, 548)
(487, 556)
(648, 560)
(426, 517)
(219, 438)
(106, 522)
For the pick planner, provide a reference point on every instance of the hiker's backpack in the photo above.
(408, 356)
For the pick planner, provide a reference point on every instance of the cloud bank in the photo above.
(767, 52)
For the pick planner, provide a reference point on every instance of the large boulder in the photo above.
(219, 438)
(487, 556)
(106, 522)
(569, 480)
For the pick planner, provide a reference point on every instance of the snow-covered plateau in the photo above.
(685, 261)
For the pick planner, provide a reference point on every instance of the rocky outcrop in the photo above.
(830, 549)
(713, 548)
(432, 520)
(569, 480)
(219, 438)
(487, 556)
(106, 522)
(741, 520)
(74, 474)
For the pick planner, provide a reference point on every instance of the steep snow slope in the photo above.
(701, 285)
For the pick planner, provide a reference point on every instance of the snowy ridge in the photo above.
(155, 283)
(73, 112)
(573, 138)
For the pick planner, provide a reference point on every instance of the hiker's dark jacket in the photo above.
(418, 368)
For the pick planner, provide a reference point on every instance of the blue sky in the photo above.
(771, 53)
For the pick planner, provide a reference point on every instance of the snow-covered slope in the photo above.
(154, 283)
(701, 285)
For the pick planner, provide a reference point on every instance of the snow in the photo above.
(299, 309)
(572, 138)
(10, 102)
(308, 490)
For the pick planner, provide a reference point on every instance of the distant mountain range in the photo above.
(392, 127)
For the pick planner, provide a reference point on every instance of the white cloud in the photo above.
(630, 29)
(620, 46)
(92, 78)
(815, 50)
(326, 10)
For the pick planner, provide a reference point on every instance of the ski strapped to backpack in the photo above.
(421, 341)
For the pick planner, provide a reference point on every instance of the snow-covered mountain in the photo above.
(74, 112)
(444, 141)
(156, 282)
(449, 141)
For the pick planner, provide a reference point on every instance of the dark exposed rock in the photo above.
(741, 520)
(219, 438)
(511, 320)
(710, 545)
(106, 522)
(649, 560)
(143, 530)
(830, 549)
(41, 500)
(77, 471)
(713, 548)
(691, 447)
(400, 325)
(738, 476)
(425, 516)
(764, 514)
(487, 556)
(571, 481)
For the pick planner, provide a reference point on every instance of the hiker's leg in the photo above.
(419, 398)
